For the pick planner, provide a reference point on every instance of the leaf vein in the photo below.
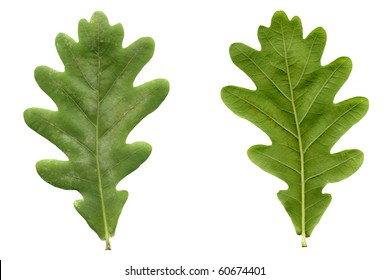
(319, 91)
(330, 168)
(314, 204)
(265, 74)
(306, 62)
(330, 125)
(279, 161)
(266, 114)
(121, 73)
(124, 115)
(69, 135)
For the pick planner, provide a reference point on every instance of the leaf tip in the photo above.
(165, 87)
(99, 17)
(234, 47)
(279, 18)
(38, 70)
(319, 31)
(365, 102)
(63, 43)
(27, 115)
(279, 15)
(148, 41)
(226, 94)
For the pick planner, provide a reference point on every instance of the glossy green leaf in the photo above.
(98, 106)
(294, 104)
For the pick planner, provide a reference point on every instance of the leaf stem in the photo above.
(304, 244)
(108, 244)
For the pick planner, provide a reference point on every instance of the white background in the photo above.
(197, 201)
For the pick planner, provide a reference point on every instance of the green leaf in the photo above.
(98, 106)
(293, 104)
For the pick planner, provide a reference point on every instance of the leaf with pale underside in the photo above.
(293, 103)
(98, 106)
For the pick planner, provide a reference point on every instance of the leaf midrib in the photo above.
(100, 185)
(301, 152)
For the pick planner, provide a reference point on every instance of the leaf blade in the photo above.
(98, 106)
(293, 105)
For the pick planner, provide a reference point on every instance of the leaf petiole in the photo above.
(108, 244)
(304, 244)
